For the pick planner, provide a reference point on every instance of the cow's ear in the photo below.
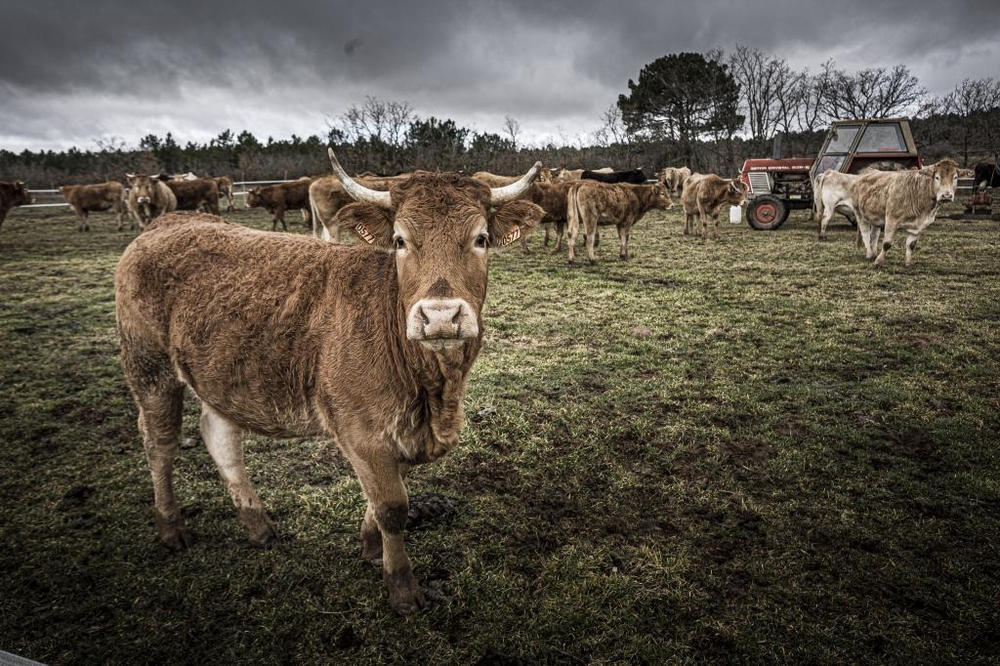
(513, 220)
(371, 224)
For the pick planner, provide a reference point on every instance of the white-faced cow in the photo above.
(674, 178)
(704, 195)
(99, 197)
(833, 193)
(290, 336)
(11, 195)
(592, 203)
(905, 201)
(149, 197)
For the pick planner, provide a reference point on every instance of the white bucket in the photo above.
(735, 214)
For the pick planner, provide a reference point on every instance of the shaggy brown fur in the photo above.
(591, 203)
(703, 195)
(13, 194)
(84, 199)
(276, 199)
(196, 194)
(287, 335)
(901, 200)
(148, 198)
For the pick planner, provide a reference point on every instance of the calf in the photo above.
(592, 203)
(85, 199)
(901, 201)
(289, 336)
(149, 197)
(674, 178)
(704, 195)
(833, 193)
(276, 199)
(11, 195)
(196, 194)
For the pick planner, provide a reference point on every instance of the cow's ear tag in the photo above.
(510, 237)
(364, 233)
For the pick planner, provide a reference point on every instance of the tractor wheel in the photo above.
(766, 212)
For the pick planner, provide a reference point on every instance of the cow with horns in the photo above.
(290, 336)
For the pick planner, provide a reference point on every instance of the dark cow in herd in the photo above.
(276, 199)
(11, 195)
(987, 175)
(290, 336)
(97, 197)
(196, 194)
(634, 176)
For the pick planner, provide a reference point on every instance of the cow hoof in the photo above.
(371, 548)
(405, 596)
(174, 534)
(262, 530)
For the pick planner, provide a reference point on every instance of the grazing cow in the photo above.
(704, 195)
(832, 193)
(327, 196)
(11, 195)
(276, 199)
(196, 194)
(149, 197)
(987, 175)
(634, 176)
(674, 178)
(289, 336)
(592, 203)
(85, 199)
(225, 185)
(901, 201)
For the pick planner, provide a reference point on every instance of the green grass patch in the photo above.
(752, 450)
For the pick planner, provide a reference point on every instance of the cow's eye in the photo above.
(482, 240)
(399, 243)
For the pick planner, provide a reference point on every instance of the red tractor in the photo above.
(778, 186)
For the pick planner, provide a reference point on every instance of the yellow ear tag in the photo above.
(364, 233)
(510, 237)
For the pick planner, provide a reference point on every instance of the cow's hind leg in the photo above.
(911, 248)
(890, 231)
(623, 235)
(160, 397)
(224, 441)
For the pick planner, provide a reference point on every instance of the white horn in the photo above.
(358, 191)
(501, 195)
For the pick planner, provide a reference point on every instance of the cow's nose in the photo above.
(441, 320)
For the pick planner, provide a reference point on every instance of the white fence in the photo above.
(239, 188)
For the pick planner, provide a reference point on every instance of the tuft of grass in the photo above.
(751, 450)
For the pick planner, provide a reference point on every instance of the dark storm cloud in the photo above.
(78, 71)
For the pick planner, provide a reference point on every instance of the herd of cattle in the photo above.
(286, 336)
(574, 201)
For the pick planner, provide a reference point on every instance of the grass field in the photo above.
(756, 450)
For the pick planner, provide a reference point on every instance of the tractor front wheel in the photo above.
(766, 212)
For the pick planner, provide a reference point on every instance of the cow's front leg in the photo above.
(623, 243)
(382, 480)
(911, 248)
(890, 231)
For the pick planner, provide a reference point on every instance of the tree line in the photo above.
(707, 110)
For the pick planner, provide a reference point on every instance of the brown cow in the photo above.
(591, 203)
(276, 199)
(11, 195)
(149, 197)
(196, 194)
(327, 196)
(496, 180)
(289, 336)
(85, 199)
(901, 200)
(704, 195)
(551, 197)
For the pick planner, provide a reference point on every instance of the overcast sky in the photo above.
(79, 72)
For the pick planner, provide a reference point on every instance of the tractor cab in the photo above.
(778, 186)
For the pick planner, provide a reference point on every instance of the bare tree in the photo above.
(512, 129)
(870, 93)
(976, 105)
